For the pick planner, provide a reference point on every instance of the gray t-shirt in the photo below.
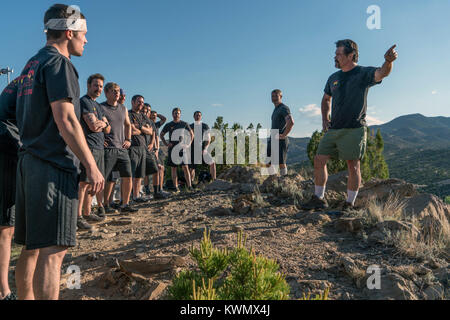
(349, 92)
(9, 133)
(95, 140)
(48, 77)
(116, 118)
(279, 117)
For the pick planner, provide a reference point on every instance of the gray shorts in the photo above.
(117, 160)
(46, 204)
(137, 157)
(99, 157)
(8, 171)
(283, 146)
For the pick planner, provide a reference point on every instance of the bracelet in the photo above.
(129, 140)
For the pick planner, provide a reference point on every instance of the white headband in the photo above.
(66, 24)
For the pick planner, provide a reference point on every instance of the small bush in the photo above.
(236, 274)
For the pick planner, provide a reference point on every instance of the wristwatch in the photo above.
(129, 140)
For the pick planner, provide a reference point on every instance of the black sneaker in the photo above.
(315, 204)
(10, 296)
(110, 210)
(128, 209)
(116, 205)
(347, 206)
(140, 200)
(82, 224)
(147, 190)
(159, 196)
(101, 212)
(93, 218)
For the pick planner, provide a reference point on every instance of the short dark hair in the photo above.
(278, 91)
(58, 11)
(349, 46)
(175, 109)
(197, 112)
(147, 105)
(95, 76)
(153, 111)
(135, 97)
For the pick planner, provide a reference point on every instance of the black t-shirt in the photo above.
(148, 137)
(279, 117)
(172, 126)
(116, 118)
(138, 120)
(48, 77)
(95, 140)
(9, 133)
(349, 92)
(199, 130)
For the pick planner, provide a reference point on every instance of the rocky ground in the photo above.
(136, 256)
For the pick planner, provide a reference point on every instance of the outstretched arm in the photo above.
(390, 56)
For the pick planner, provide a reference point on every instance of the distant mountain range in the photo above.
(417, 149)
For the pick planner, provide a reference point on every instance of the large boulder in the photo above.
(432, 213)
(383, 189)
(219, 185)
(242, 174)
(287, 186)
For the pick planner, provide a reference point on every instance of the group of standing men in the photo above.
(42, 137)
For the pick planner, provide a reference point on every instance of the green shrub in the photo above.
(236, 274)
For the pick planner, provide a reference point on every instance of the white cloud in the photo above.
(434, 92)
(372, 121)
(217, 105)
(311, 110)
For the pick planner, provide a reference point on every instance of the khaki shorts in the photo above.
(347, 144)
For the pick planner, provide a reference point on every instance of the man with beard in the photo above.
(346, 132)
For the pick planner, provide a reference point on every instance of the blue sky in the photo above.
(225, 57)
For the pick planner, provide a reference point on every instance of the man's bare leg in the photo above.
(187, 175)
(125, 189)
(25, 269)
(161, 177)
(46, 280)
(137, 182)
(109, 187)
(320, 170)
(174, 177)
(82, 192)
(212, 170)
(192, 172)
(6, 235)
(354, 180)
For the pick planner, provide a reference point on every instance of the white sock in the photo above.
(351, 196)
(319, 192)
(283, 171)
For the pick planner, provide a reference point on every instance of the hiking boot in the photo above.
(347, 206)
(128, 209)
(110, 210)
(315, 204)
(159, 196)
(93, 218)
(10, 296)
(176, 190)
(165, 194)
(82, 224)
(140, 200)
(101, 212)
(116, 205)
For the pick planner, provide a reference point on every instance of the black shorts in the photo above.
(99, 157)
(283, 147)
(173, 163)
(46, 204)
(137, 157)
(8, 171)
(117, 160)
(151, 163)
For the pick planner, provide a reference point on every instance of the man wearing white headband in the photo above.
(48, 112)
